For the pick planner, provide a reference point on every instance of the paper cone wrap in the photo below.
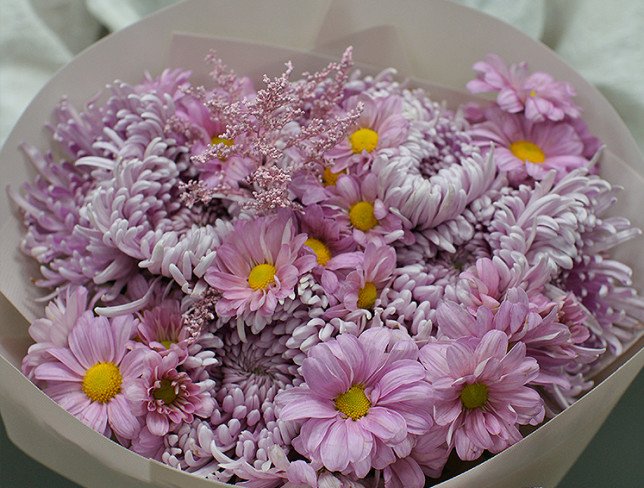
(432, 42)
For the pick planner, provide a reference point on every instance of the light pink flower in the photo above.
(360, 207)
(359, 293)
(279, 471)
(479, 391)
(427, 458)
(332, 244)
(536, 94)
(161, 329)
(525, 149)
(166, 397)
(362, 399)
(380, 125)
(550, 342)
(90, 374)
(259, 264)
(52, 331)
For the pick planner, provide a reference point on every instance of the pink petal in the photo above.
(333, 451)
(157, 424)
(385, 424)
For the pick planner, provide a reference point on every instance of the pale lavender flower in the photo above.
(52, 331)
(89, 375)
(332, 244)
(433, 210)
(538, 95)
(361, 399)
(529, 150)
(380, 125)
(51, 207)
(478, 390)
(161, 329)
(604, 287)
(258, 265)
(359, 292)
(359, 205)
(553, 344)
(166, 397)
(252, 372)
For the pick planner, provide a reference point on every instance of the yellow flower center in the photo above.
(166, 344)
(329, 178)
(474, 395)
(367, 296)
(165, 392)
(362, 217)
(353, 403)
(261, 276)
(221, 140)
(533, 93)
(102, 382)
(363, 140)
(527, 151)
(320, 249)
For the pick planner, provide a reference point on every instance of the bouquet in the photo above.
(330, 280)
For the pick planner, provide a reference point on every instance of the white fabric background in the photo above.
(603, 40)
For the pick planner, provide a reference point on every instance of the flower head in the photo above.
(90, 374)
(161, 329)
(525, 149)
(479, 391)
(536, 94)
(258, 264)
(361, 399)
(167, 397)
(361, 207)
(360, 291)
(332, 244)
(380, 125)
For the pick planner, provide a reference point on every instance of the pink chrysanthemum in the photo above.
(161, 329)
(52, 331)
(333, 246)
(536, 94)
(166, 397)
(360, 206)
(427, 458)
(380, 125)
(214, 171)
(360, 291)
(90, 374)
(259, 264)
(362, 399)
(479, 391)
(550, 342)
(524, 149)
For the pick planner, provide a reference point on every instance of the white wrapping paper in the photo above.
(433, 40)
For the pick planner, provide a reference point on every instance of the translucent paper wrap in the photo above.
(434, 43)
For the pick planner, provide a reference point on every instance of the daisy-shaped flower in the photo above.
(550, 342)
(359, 293)
(51, 331)
(360, 206)
(362, 399)
(90, 374)
(380, 125)
(334, 248)
(166, 397)
(525, 149)
(258, 264)
(213, 171)
(161, 329)
(538, 94)
(479, 391)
